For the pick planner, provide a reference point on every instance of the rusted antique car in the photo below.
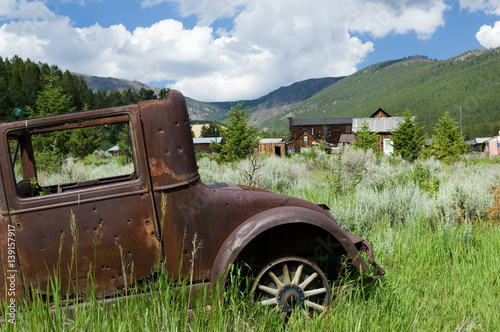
(116, 230)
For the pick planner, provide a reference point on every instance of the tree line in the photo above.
(22, 81)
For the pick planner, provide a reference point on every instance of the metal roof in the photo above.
(206, 140)
(271, 141)
(322, 121)
(347, 138)
(377, 125)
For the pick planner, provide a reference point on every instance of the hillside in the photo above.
(428, 88)
(281, 99)
(97, 83)
(262, 108)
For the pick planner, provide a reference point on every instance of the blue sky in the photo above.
(220, 50)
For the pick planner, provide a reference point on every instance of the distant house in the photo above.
(115, 150)
(494, 145)
(305, 140)
(381, 123)
(479, 144)
(323, 129)
(346, 139)
(272, 147)
(202, 145)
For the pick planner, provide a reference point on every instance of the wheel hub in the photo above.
(291, 296)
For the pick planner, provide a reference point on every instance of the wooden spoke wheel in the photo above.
(292, 283)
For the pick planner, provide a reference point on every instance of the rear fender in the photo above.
(261, 222)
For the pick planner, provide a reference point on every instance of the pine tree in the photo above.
(447, 143)
(51, 100)
(365, 139)
(407, 139)
(209, 130)
(240, 140)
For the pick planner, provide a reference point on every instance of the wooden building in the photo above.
(202, 145)
(305, 140)
(494, 145)
(317, 127)
(381, 123)
(272, 147)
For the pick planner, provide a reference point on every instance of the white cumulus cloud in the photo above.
(488, 6)
(489, 36)
(268, 45)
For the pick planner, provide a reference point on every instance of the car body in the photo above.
(111, 232)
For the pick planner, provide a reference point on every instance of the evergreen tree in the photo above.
(51, 100)
(84, 141)
(146, 94)
(407, 139)
(240, 140)
(5, 104)
(210, 130)
(163, 92)
(365, 139)
(447, 143)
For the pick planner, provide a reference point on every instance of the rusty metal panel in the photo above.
(167, 135)
(114, 220)
(115, 239)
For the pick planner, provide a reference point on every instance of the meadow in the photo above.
(432, 226)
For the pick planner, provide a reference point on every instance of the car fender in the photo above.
(268, 219)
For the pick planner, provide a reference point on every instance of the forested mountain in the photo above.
(22, 81)
(427, 88)
(110, 84)
(281, 99)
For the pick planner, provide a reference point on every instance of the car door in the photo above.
(86, 228)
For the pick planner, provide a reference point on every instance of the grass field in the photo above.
(426, 221)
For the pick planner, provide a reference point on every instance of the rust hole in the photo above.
(153, 233)
(185, 252)
(147, 222)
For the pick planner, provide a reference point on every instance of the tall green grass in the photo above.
(441, 261)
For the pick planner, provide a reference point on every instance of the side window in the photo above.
(70, 156)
